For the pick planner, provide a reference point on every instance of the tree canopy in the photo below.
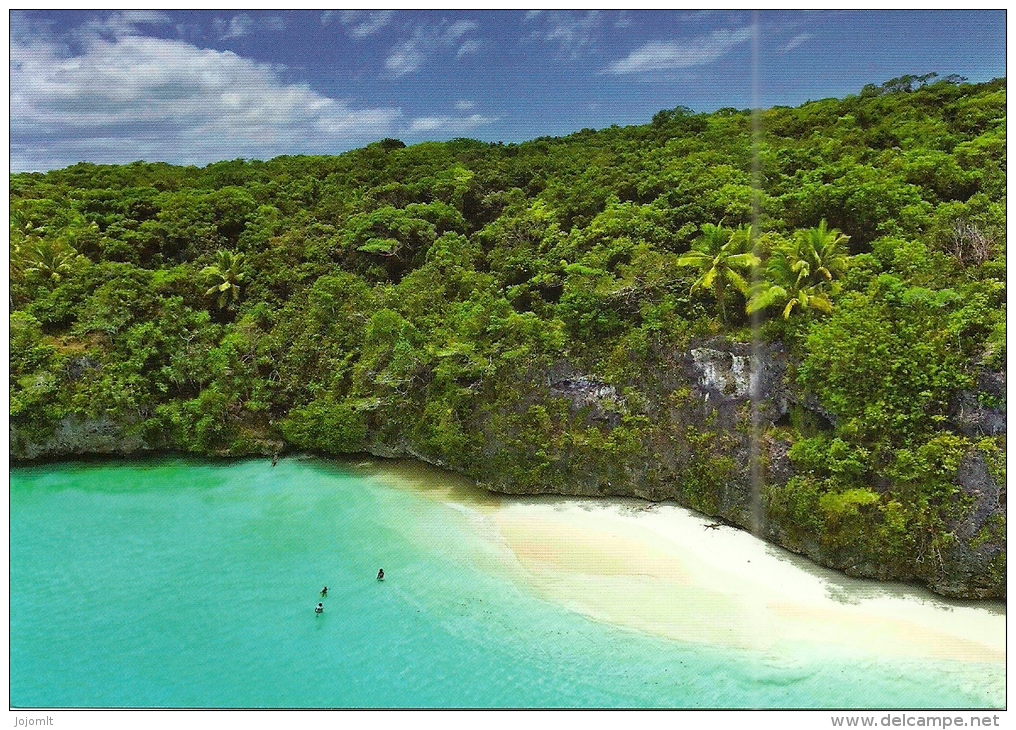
(414, 294)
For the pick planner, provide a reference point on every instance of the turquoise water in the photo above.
(175, 583)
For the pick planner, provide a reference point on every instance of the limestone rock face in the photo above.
(982, 412)
(723, 372)
(74, 437)
(972, 556)
(709, 438)
(586, 392)
(723, 375)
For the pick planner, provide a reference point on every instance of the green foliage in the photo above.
(723, 257)
(35, 378)
(994, 454)
(427, 298)
(327, 426)
(29, 351)
(888, 363)
(831, 457)
(803, 273)
(796, 504)
(49, 261)
(842, 506)
(203, 424)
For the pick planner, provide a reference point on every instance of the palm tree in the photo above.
(17, 269)
(722, 255)
(225, 277)
(825, 250)
(49, 260)
(803, 272)
(807, 297)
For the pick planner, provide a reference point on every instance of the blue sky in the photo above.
(196, 87)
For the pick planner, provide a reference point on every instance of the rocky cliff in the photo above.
(717, 443)
(75, 436)
(711, 437)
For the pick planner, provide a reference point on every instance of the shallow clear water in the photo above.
(176, 583)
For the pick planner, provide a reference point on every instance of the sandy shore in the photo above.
(659, 570)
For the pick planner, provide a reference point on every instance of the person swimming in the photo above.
(320, 608)
(381, 574)
(324, 591)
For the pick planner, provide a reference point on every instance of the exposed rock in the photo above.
(77, 436)
(810, 402)
(722, 374)
(982, 412)
(969, 560)
(406, 451)
(992, 383)
(78, 366)
(777, 459)
(584, 391)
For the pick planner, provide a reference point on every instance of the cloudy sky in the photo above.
(196, 87)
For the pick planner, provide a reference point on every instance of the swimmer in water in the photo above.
(381, 574)
(324, 591)
(320, 609)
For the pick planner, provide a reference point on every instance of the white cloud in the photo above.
(138, 97)
(458, 29)
(359, 23)
(409, 55)
(467, 48)
(465, 105)
(679, 54)
(796, 41)
(120, 23)
(238, 26)
(574, 33)
(445, 125)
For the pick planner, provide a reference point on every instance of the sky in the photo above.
(195, 87)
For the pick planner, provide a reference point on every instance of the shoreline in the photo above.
(651, 575)
(657, 569)
(435, 478)
(654, 567)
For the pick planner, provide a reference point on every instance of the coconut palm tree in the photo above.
(803, 272)
(225, 276)
(825, 251)
(723, 256)
(805, 297)
(48, 260)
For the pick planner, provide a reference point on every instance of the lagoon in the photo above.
(182, 583)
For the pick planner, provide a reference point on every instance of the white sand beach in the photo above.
(658, 569)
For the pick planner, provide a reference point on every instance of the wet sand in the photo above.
(656, 568)
(660, 570)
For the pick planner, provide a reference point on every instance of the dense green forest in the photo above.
(518, 312)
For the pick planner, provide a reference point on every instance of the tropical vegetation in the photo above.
(426, 299)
